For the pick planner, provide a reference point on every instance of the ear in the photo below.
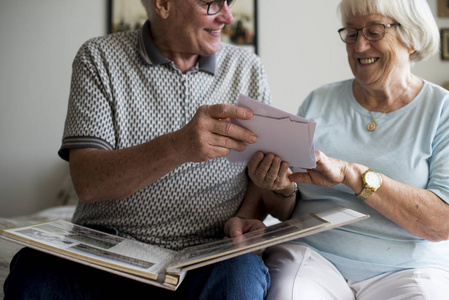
(162, 8)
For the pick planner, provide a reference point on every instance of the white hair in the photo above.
(418, 29)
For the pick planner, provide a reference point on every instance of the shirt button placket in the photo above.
(185, 97)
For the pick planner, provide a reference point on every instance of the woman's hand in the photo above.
(328, 172)
(269, 172)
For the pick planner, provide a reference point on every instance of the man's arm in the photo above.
(271, 175)
(250, 214)
(268, 176)
(100, 175)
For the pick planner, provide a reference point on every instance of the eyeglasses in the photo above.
(214, 7)
(373, 32)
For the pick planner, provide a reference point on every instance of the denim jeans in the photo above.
(37, 275)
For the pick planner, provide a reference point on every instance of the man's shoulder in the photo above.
(114, 42)
(228, 51)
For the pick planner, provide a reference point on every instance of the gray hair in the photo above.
(418, 29)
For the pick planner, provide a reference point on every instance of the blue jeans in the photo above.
(37, 275)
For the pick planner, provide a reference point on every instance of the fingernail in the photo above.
(253, 138)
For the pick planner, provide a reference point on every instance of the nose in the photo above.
(225, 14)
(361, 44)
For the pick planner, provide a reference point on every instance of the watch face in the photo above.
(373, 179)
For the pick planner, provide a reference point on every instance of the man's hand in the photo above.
(210, 134)
(236, 226)
(269, 172)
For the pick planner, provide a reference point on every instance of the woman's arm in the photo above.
(419, 211)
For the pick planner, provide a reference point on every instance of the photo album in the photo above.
(159, 266)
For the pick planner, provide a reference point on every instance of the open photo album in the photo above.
(159, 266)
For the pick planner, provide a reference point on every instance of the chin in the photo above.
(211, 50)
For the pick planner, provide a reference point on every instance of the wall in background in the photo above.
(39, 40)
(298, 44)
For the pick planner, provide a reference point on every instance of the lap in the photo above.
(37, 275)
(298, 272)
(410, 284)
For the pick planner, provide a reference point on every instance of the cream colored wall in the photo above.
(298, 44)
(38, 41)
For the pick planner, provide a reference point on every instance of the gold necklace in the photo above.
(372, 125)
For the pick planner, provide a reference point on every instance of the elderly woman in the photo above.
(388, 133)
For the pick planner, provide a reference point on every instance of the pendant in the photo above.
(371, 126)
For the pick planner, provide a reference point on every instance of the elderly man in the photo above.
(146, 133)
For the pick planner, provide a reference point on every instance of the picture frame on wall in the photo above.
(130, 15)
(443, 8)
(243, 31)
(444, 44)
(124, 15)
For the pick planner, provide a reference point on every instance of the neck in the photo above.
(386, 98)
(168, 48)
(183, 62)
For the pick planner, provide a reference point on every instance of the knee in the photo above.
(245, 276)
(249, 266)
(23, 274)
(37, 275)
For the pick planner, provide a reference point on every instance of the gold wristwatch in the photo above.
(371, 182)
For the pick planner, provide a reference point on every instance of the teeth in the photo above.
(214, 31)
(367, 61)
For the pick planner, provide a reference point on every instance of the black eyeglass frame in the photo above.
(209, 3)
(364, 34)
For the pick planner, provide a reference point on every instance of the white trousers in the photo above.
(298, 272)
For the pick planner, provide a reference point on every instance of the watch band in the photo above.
(289, 196)
(365, 193)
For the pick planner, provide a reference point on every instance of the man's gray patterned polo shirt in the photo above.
(125, 93)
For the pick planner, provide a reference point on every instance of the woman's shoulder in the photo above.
(434, 95)
(329, 96)
(336, 85)
(434, 88)
(332, 90)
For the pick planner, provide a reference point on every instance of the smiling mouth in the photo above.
(368, 61)
(216, 31)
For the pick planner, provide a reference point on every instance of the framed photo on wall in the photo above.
(445, 44)
(243, 32)
(130, 15)
(125, 15)
(443, 8)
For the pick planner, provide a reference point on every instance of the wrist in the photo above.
(173, 150)
(288, 192)
(352, 177)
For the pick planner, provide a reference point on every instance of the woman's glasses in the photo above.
(373, 32)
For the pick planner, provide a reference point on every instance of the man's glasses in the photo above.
(214, 7)
(373, 32)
